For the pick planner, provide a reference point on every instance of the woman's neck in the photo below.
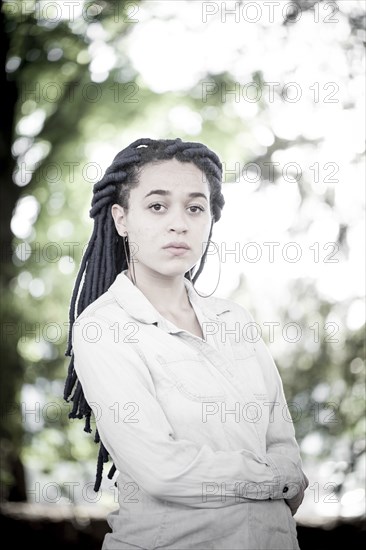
(167, 295)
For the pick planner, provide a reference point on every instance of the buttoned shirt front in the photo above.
(198, 429)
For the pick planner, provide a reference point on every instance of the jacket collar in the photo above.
(132, 300)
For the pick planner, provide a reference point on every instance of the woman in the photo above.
(188, 404)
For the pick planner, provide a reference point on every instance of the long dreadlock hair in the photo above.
(105, 255)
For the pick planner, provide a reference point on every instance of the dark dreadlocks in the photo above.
(105, 257)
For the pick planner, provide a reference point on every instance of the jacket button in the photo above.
(285, 489)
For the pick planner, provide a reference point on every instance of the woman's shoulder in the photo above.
(108, 309)
(220, 306)
(104, 308)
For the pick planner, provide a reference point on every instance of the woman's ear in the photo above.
(119, 216)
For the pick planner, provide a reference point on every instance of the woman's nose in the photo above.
(178, 221)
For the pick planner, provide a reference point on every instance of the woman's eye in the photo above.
(196, 209)
(157, 207)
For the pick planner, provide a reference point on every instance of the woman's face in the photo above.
(169, 206)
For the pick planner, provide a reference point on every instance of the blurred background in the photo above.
(277, 89)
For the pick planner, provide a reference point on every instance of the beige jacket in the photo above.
(199, 430)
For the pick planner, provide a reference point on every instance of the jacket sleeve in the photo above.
(282, 447)
(137, 434)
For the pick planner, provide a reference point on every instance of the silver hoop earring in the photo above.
(133, 276)
(218, 281)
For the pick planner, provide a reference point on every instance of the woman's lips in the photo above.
(177, 248)
(176, 251)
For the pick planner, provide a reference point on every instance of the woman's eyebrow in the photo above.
(194, 194)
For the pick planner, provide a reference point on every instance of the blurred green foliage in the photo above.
(62, 118)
